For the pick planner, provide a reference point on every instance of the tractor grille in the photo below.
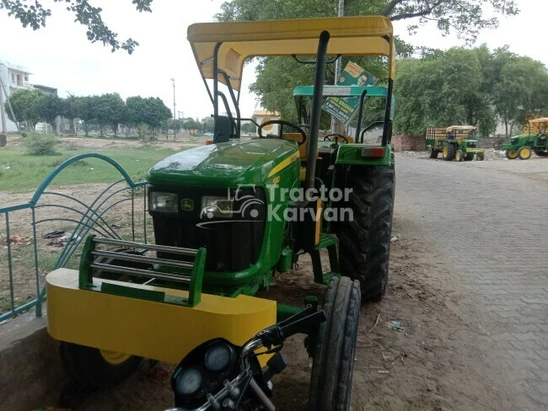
(233, 244)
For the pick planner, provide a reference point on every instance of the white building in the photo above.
(12, 78)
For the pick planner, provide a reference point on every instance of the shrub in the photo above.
(39, 144)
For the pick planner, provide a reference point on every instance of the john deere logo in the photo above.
(187, 204)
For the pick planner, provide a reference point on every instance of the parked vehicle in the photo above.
(534, 139)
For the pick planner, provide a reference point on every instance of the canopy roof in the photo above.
(465, 128)
(539, 120)
(350, 36)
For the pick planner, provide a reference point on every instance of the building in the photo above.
(262, 116)
(12, 78)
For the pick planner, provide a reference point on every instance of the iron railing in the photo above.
(105, 214)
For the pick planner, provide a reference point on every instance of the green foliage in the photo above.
(208, 125)
(24, 103)
(248, 128)
(150, 111)
(36, 16)
(468, 86)
(40, 144)
(48, 107)
(191, 124)
(109, 110)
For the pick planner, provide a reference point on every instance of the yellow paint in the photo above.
(524, 152)
(276, 180)
(350, 36)
(318, 231)
(113, 357)
(445, 151)
(159, 331)
(302, 175)
(512, 154)
(283, 164)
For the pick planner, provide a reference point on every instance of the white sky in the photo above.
(60, 55)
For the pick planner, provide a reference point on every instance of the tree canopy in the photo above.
(469, 86)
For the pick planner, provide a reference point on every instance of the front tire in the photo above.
(433, 153)
(335, 347)
(94, 368)
(459, 156)
(364, 249)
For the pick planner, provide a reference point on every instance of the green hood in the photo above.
(224, 165)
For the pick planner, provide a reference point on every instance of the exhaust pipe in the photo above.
(316, 110)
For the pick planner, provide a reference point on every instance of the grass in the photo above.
(22, 172)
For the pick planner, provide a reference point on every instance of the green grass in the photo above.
(22, 172)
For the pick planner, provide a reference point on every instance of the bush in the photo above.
(39, 144)
(143, 131)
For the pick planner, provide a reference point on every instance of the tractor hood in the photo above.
(225, 164)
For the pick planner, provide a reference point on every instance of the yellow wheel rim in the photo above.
(445, 151)
(512, 154)
(525, 152)
(113, 357)
(459, 157)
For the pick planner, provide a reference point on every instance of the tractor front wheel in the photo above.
(335, 347)
(433, 153)
(364, 248)
(449, 152)
(524, 153)
(459, 156)
(511, 154)
(94, 368)
(469, 157)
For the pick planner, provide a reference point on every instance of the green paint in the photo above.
(195, 289)
(85, 278)
(351, 154)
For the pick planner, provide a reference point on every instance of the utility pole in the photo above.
(174, 112)
(3, 120)
(337, 127)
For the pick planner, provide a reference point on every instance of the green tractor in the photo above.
(230, 215)
(534, 139)
(454, 142)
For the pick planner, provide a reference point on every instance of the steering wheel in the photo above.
(370, 126)
(337, 136)
(283, 123)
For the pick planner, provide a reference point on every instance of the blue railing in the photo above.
(72, 212)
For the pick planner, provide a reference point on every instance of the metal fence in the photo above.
(116, 210)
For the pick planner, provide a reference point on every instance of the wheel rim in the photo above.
(113, 357)
(459, 157)
(512, 154)
(445, 151)
(525, 152)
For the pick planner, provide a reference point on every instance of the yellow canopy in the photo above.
(350, 36)
(538, 124)
(463, 128)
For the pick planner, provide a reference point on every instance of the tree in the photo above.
(69, 110)
(274, 84)
(150, 111)
(24, 103)
(48, 108)
(208, 125)
(36, 15)
(464, 17)
(109, 111)
(191, 124)
(249, 128)
(85, 108)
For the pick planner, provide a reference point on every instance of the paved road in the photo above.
(490, 222)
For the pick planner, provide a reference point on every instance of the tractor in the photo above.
(229, 216)
(534, 139)
(455, 142)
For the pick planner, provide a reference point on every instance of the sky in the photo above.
(60, 55)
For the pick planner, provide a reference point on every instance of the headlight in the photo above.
(219, 357)
(220, 207)
(189, 381)
(163, 202)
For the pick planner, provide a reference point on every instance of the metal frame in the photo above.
(92, 218)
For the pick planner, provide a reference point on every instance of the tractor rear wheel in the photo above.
(433, 153)
(364, 248)
(335, 347)
(94, 368)
(449, 152)
(541, 153)
(511, 154)
(524, 153)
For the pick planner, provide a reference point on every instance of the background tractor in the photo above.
(534, 139)
(454, 142)
(223, 227)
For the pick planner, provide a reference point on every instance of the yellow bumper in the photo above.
(149, 329)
